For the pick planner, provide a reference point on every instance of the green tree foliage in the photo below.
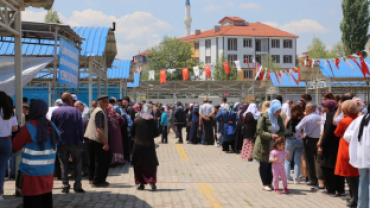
(52, 17)
(318, 49)
(171, 53)
(270, 63)
(219, 73)
(355, 24)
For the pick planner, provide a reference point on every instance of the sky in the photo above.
(141, 24)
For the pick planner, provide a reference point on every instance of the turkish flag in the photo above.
(162, 74)
(297, 71)
(226, 67)
(364, 68)
(330, 68)
(185, 74)
(247, 61)
(207, 69)
(337, 61)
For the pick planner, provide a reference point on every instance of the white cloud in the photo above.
(300, 27)
(333, 11)
(250, 6)
(214, 8)
(134, 32)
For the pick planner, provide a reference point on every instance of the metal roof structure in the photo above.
(344, 72)
(287, 81)
(119, 70)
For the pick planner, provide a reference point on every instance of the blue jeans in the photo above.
(295, 148)
(5, 150)
(363, 192)
(11, 165)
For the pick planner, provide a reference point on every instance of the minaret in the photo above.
(187, 19)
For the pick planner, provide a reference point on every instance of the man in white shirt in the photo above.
(57, 104)
(286, 107)
(206, 119)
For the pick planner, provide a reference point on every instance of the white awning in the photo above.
(31, 67)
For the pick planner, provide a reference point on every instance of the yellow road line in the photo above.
(209, 195)
(182, 153)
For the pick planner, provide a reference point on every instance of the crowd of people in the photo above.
(324, 145)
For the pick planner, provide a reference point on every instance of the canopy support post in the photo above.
(55, 69)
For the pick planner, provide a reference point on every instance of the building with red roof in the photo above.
(238, 39)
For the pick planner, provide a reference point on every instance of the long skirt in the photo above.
(145, 174)
(115, 145)
(193, 137)
(247, 149)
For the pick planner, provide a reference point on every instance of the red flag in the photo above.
(303, 64)
(295, 80)
(162, 74)
(318, 61)
(330, 67)
(268, 74)
(262, 73)
(354, 60)
(185, 74)
(297, 71)
(247, 61)
(364, 68)
(207, 70)
(226, 67)
(337, 61)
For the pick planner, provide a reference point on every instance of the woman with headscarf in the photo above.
(249, 130)
(194, 125)
(38, 139)
(227, 119)
(358, 136)
(144, 157)
(343, 166)
(239, 128)
(270, 126)
(328, 150)
(115, 122)
(137, 109)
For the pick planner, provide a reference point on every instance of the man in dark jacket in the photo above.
(179, 120)
(69, 122)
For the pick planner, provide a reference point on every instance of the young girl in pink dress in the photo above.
(277, 157)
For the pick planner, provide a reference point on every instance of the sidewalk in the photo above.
(188, 176)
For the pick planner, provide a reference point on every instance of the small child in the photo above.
(277, 157)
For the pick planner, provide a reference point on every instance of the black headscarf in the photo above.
(38, 110)
(242, 111)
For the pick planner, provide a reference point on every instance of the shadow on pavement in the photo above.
(167, 190)
(89, 199)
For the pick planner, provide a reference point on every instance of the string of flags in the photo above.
(263, 74)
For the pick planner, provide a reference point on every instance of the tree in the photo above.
(318, 49)
(219, 73)
(52, 17)
(171, 53)
(271, 64)
(355, 24)
(339, 50)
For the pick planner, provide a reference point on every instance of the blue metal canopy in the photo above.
(285, 80)
(120, 69)
(344, 71)
(95, 40)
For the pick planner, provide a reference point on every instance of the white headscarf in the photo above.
(226, 107)
(254, 110)
(146, 112)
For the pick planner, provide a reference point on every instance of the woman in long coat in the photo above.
(239, 128)
(227, 120)
(329, 150)
(194, 124)
(144, 157)
(269, 127)
(249, 125)
(115, 122)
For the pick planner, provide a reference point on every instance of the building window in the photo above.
(248, 74)
(208, 59)
(288, 44)
(275, 43)
(259, 59)
(208, 44)
(196, 46)
(247, 43)
(276, 58)
(232, 44)
(250, 58)
(288, 59)
(232, 58)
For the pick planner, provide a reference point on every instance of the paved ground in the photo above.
(188, 176)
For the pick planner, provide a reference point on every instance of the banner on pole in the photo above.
(207, 70)
(226, 67)
(69, 59)
(185, 74)
(162, 74)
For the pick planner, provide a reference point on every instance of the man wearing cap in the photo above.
(97, 134)
(69, 122)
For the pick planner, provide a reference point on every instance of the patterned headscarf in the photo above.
(137, 108)
(113, 116)
(146, 112)
(245, 107)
